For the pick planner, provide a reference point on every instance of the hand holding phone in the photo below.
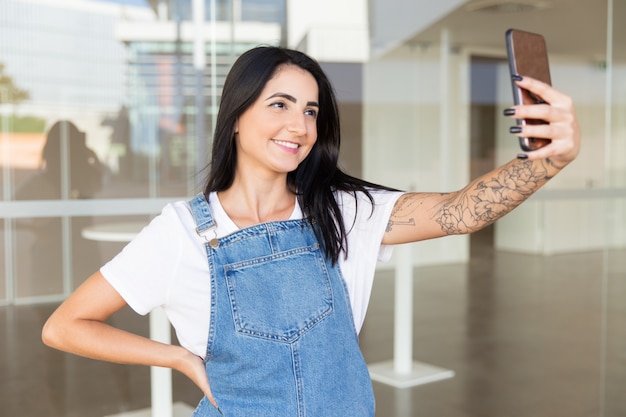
(528, 56)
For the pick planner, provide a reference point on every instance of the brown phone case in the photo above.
(528, 56)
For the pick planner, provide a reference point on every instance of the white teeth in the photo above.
(287, 144)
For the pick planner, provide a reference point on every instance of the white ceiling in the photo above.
(571, 27)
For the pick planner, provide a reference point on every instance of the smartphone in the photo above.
(528, 56)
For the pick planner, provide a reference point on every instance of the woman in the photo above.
(266, 275)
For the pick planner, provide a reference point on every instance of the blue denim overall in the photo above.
(282, 341)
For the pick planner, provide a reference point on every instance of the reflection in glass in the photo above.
(68, 169)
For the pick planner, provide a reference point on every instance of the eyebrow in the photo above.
(291, 98)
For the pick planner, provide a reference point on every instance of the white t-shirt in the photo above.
(166, 264)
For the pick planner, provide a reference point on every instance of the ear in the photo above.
(236, 126)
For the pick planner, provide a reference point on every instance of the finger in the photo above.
(209, 396)
(543, 90)
(552, 151)
(205, 385)
(198, 375)
(560, 148)
(206, 389)
(540, 112)
(541, 153)
(548, 113)
(542, 131)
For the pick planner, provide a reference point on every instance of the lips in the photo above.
(289, 145)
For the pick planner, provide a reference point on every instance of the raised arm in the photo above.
(420, 216)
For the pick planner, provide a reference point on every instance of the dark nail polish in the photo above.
(509, 112)
(517, 77)
(515, 129)
(522, 156)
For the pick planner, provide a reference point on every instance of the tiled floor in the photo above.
(524, 334)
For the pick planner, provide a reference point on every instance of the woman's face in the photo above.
(278, 131)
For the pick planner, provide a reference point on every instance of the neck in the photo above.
(252, 202)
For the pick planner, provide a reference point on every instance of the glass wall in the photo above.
(106, 115)
(104, 101)
(614, 216)
(445, 87)
(63, 82)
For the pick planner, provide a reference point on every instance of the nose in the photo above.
(297, 125)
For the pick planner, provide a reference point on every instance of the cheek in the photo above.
(310, 147)
(312, 129)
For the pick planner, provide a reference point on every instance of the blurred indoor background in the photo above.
(106, 114)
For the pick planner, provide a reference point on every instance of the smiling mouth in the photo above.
(290, 145)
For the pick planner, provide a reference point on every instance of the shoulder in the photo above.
(179, 211)
(174, 216)
(161, 262)
(170, 228)
(359, 212)
(358, 201)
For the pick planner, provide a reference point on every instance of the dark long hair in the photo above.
(318, 175)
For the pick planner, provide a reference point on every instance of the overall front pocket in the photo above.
(280, 296)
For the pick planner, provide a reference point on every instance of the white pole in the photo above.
(199, 64)
(445, 105)
(402, 371)
(160, 378)
(403, 313)
(214, 103)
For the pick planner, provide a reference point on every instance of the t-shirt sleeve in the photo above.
(384, 202)
(370, 223)
(366, 225)
(144, 270)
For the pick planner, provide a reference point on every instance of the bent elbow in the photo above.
(50, 334)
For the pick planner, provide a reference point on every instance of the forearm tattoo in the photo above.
(483, 201)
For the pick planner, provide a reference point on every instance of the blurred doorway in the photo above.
(484, 110)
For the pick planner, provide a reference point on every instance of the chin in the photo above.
(287, 168)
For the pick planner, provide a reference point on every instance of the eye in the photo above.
(311, 112)
(278, 105)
